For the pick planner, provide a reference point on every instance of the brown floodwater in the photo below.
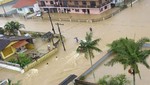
(132, 22)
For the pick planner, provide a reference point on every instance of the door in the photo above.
(88, 11)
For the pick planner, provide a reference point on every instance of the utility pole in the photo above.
(3, 9)
(61, 35)
(50, 21)
(131, 3)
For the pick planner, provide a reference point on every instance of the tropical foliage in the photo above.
(12, 27)
(1, 30)
(129, 53)
(22, 60)
(87, 47)
(117, 80)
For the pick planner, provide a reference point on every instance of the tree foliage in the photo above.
(22, 60)
(12, 27)
(117, 80)
(1, 30)
(87, 47)
(129, 53)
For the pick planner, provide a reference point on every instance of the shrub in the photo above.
(36, 34)
(117, 80)
(82, 78)
(22, 60)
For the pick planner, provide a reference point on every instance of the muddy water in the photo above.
(132, 22)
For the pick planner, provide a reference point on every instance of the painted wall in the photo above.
(92, 10)
(36, 7)
(24, 10)
(7, 52)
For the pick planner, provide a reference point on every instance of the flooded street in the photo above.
(131, 22)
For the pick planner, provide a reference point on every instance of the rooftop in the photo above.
(6, 40)
(24, 3)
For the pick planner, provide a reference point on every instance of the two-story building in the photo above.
(75, 6)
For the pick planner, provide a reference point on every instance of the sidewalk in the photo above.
(76, 17)
(80, 17)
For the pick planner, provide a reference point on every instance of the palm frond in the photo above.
(88, 37)
(96, 49)
(142, 41)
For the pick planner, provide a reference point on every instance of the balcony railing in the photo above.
(78, 6)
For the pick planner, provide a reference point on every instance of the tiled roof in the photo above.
(20, 44)
(24, 3)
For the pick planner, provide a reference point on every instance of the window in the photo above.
(105, 7)
(68, 10)
(92, 4)
(84, 10)
(76, 10)
(45, 9)
(76, 3)
(84, 3)
(51, 2)
(19, 9)
(101, 9)
(100, 1)
(65, 4)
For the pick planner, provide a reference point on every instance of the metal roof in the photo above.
(6, 40)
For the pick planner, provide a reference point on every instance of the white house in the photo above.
(26, 6)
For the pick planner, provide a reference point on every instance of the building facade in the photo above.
(26, 6)
(75, 6)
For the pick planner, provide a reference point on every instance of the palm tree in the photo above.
(87, 47)
(130, 53)
(13, 27)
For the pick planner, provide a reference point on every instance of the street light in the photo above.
(51, 21)
(61, 35)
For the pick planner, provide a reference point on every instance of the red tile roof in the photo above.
(20, 44)
(24, 3)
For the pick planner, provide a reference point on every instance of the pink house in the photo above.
(75, 6)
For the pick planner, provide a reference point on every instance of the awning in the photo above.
(20, 44)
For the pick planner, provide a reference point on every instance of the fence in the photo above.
(11, 66)
(39, 60)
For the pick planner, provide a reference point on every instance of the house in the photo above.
(9, 45)
(26, 6)
(75, 6)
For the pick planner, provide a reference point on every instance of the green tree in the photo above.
(117, 80)
(13, 27)
(22, 59)
(87, 47)
(129, 53)
(1, 30)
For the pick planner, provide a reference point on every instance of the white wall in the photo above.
(24, 10)
(117, 1)
(36, 7)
